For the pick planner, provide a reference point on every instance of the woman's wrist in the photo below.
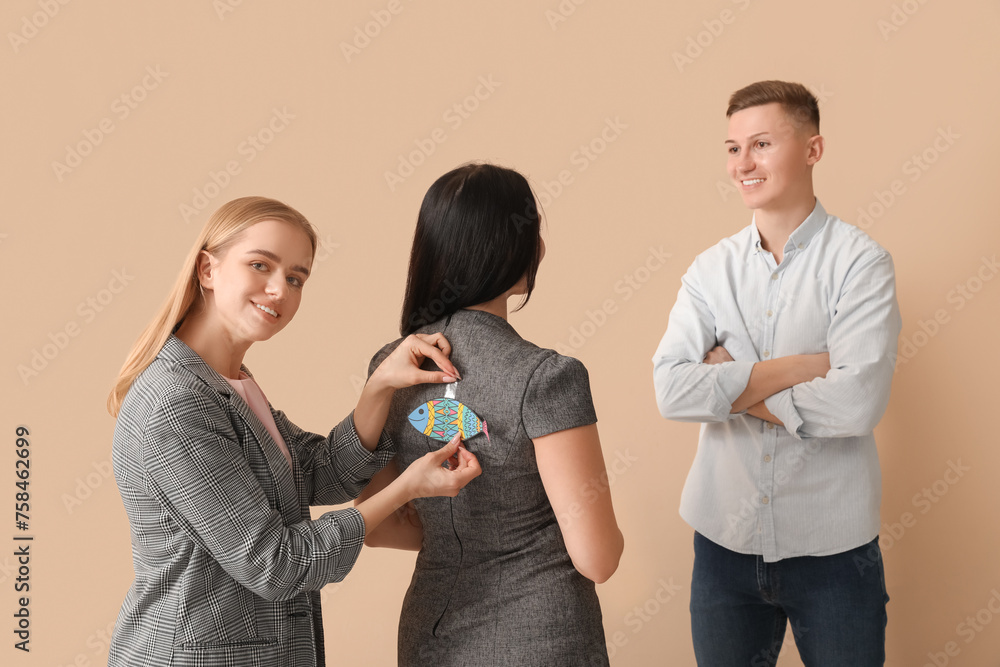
(378, 385)
(402, 489)
(371, 411)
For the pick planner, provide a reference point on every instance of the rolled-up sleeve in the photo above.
(862, 342)
(686, 388)
(199, 475)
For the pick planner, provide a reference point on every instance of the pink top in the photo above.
(254, 397)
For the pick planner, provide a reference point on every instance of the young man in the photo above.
(782, 342)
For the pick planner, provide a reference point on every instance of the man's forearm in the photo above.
(774, 375)
(760, 411)
(767, 378)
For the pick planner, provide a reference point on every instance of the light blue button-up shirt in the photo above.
(813, 486)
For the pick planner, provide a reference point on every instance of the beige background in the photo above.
(896, 80)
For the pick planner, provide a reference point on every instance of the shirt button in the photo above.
(765, 500)
(769, 425)
(774, 276)
(767, 458)
(801, 246)
(770, 313)
(767, 353)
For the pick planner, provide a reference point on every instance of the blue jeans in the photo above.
(740, 607)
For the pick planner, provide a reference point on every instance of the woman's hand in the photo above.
(402, 367)
(428, 477)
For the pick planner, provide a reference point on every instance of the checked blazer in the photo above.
(228, 564)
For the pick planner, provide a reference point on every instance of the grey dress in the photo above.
(493, 583)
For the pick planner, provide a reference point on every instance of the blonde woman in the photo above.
(217, 484)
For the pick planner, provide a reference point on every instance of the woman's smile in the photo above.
(270, 311)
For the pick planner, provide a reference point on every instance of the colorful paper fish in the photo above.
(442, 418)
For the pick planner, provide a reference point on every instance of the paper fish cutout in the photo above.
(443, 418)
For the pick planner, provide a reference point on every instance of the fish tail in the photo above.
(486, 431)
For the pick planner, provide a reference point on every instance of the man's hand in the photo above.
(717, 355)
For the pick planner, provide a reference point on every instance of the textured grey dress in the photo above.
(493, 583)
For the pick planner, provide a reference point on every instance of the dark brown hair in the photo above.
(800, 104)
(478, 234)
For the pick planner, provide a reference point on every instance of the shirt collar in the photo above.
(799, 238)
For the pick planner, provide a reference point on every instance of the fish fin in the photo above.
(486, 431)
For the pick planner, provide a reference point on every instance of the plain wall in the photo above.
(909, 99)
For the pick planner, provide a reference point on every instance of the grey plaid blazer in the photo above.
(228, 565)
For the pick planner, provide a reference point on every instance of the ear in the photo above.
(204, 269)
(814, 149)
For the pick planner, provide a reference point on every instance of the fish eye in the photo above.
(420, 411)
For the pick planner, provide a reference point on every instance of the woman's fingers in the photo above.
(402, 367)
(433, 377)
(461, 458)
(468, 466)
(446, 452)
(467, 460)
(433, 346)
(462, 468)
(465, 457)
(437, 340)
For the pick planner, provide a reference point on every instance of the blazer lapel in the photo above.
(284, 480)
(284, 489)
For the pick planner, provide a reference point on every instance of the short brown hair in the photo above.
(800, 104)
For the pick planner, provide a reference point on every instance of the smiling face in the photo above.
(256, 284)
(771, 156)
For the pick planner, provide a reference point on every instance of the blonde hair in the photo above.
(219, 233)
